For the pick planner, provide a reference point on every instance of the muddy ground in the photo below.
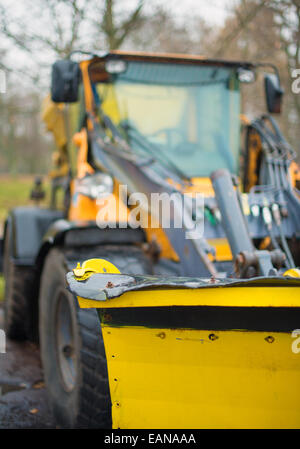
(23, 399)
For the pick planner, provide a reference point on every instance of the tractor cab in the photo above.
(165, 123)
(186, 115)
(184, 111)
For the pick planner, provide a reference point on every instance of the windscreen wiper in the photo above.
(153, 150)
(142, 142)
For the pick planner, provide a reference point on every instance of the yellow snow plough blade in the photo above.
(182, 354)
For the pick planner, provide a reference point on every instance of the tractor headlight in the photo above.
(115, 66)
(95, 186)
(246, 75)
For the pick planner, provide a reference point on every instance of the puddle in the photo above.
(9, 387)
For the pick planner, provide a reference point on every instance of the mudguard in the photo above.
(29, 224)
(36, 230)
(76, 234)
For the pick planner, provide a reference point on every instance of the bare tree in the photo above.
(287, 13)
(53, 25)
(271, 36)
(55, 28)
(162, 33)
(244, 14)
(115, 28)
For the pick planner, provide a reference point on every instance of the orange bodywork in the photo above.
(294, 173)
(254, 152)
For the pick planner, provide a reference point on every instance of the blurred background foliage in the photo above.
(35, 33)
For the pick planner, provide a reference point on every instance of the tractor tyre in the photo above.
(18, 289)
(72, 347)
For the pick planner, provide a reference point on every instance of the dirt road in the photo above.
(23, 400)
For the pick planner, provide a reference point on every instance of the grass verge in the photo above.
(1, 288)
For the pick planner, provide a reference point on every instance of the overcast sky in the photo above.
(214, 12)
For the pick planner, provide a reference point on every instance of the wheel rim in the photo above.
(65, 342)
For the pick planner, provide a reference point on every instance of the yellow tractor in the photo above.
(164, 294)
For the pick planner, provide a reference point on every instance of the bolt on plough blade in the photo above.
(191, 353)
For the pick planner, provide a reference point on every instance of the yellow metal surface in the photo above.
(87, 303)
(84, 208)
(294, 173)
(80, 139)
(265, 243)
(180, 378)
(161, 378)
(159, 236)
(88, 93)
(293, 272)
(202, 185)
(53, 117)
(223, 251)
(111, 208)
(92, 266)
(223, 296)
(254, 150)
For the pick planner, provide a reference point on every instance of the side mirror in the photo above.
(65, 81)
(274, 93)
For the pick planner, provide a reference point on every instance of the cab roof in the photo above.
(171, 57)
